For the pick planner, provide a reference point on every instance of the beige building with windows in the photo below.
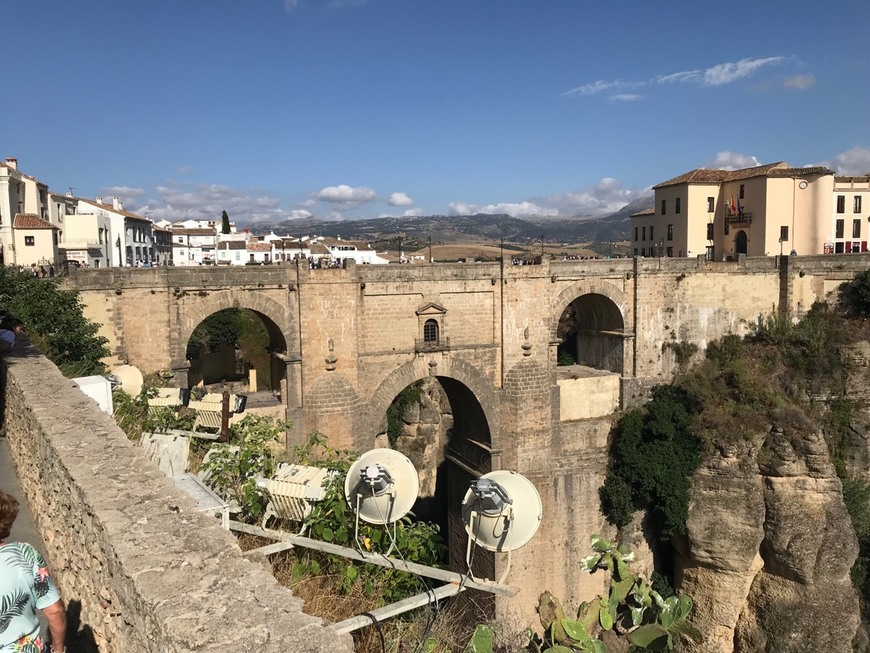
(760, 211)
(34, 241)
(851, 207)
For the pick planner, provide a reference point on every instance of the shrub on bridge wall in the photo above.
(653, 457)
(54, 322)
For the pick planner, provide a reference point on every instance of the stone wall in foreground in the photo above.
(151, 573)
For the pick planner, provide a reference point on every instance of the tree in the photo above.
(54, 321)
(225, 223)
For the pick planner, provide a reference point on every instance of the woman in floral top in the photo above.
(25, 586)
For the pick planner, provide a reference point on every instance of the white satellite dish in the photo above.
(501, 511)
(381, 486)
(129, 378)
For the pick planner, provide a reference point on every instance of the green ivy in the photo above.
(654, 454)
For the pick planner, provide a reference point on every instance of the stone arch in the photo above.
(600, 333)
(597, 287)
(447, 369)
(191, 311)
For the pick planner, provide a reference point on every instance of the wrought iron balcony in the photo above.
(739, 218)
(442, 344)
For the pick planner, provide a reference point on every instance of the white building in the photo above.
(130, 238)
(194, 245)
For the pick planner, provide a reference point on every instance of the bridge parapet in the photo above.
(149, 572)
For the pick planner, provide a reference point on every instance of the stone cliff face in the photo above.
(769, 546)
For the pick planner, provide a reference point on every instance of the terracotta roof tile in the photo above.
(30, 221)
(778, 169)
(259, 247)
(650, 211)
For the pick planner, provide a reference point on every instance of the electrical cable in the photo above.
(377, 625)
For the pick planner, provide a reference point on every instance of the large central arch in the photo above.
(470, 442)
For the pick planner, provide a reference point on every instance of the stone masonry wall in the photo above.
(149, 572)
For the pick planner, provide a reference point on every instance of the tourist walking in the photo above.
(25, 586)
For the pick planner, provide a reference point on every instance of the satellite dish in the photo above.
(381, 486)
(502, 511)
(129, 378)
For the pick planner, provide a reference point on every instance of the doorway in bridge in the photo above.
(439, 424)
(591, 333)
(236, 349)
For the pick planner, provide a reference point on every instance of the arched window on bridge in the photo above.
(430, 332)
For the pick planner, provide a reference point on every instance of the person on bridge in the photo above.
(25, 585)
(9, 328)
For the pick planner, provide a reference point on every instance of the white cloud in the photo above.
(723, 73)
(800, 82)
(206, 202)
(413, 213)
(461, 208)
(298, 214)
(726, 160)
(400, 199)
(600, 86)
(852, 162)
(344, 194)
(602, 198)
(290, 5)
(626, 97)
(127, 194)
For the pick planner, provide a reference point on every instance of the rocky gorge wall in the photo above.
(768, 548)
(148, 571)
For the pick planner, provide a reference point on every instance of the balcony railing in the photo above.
(442, 344)
(739, 218)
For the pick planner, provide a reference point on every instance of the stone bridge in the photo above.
(345, 342)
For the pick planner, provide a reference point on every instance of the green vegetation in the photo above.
(225, 223)
(54, 322)
(653, 457)
(243, 328)
(233, 469)
(631, 615)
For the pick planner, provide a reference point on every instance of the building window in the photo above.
(839, 229)
(677, 205)
(709, 231)
(643, 251)
(670, 232)
(635, 233)
(841, 203)
(664, 207)
(856, 204)
(710, 253)
(783, 234)
(635, 251)
(742, 192)
(856, 228)
(430, 332)
(670, 251)
(651, 237)
(643, 233)
(29, 241)
(711, 204)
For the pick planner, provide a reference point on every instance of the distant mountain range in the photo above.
(462, 228)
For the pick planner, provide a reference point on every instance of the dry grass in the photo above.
(447, 628)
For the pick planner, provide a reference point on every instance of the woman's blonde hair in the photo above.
(8, 513)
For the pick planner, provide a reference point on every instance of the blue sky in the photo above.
(275, 109)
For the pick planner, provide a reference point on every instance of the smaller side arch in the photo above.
(580, 288)
(190, 312)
